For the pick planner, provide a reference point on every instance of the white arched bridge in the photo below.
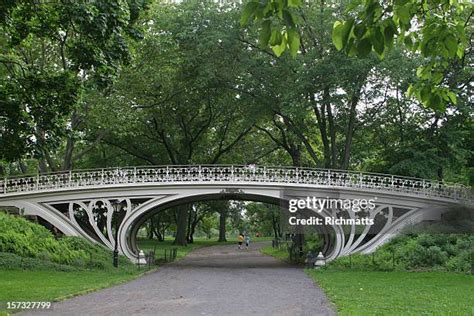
(108, 206)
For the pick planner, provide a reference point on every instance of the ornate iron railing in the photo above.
(232, 174)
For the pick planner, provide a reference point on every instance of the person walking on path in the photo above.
(241, 240)
(247, 241)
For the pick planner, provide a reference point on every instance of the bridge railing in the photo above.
(232, 174)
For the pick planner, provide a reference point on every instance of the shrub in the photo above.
(11, 261)
(29, 240)
(452, 252)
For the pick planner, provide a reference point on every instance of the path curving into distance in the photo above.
(218, 280)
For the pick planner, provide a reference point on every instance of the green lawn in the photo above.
(42, 285)
(54, 285)
(281, 253)
(182, 251)
(356, 292)
(160, 246)
(397, 293)
(46, 285)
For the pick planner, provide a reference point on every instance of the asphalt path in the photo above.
(218, 280)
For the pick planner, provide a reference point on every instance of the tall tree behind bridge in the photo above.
(50, 53)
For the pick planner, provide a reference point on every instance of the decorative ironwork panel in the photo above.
(233, 174)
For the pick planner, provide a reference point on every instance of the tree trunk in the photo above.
(350, 131)
(190, 220)
(162, 232)
(332, 134)
(67, 162)
(193, 230)
(181, 225)
(321, 118)
(222, 220)
(193, 220)
(43, 168)
(299, 242)
(440, 174)
(23, 167)
(295, 154)
(149, 232)
(276, 228)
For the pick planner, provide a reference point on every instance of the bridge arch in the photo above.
(129, 228)
(57, 197)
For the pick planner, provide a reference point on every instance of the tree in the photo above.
(50, 52)
(319, 113)
(208, 224)
(178, 106)
(264, 218)
(196, 214)
(158, 224)
(434, 29)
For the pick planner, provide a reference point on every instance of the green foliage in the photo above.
(278, 24)
(11, 261)
(49, 52)
(434, 29)
(179, 98)
(313, 243)
(264, 219)
(29, 243)
(449, 252)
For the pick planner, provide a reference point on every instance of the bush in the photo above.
(29, 240)
(452, 252)
(314, 243)
(10, 261)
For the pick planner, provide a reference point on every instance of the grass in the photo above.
(56, 285)
(397, 293)
(49, 285)
(279, 253)
(182, 251)
(43, 285)
(355, 292)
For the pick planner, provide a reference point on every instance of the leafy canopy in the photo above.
(49, 51)
(436, 29)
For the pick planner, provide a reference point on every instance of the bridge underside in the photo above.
(112, 216)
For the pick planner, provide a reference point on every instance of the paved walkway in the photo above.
(219, 280)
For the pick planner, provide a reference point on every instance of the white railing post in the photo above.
(102, 176)
(70, 179)
(37, 181)
(232, 173)
(135, 175)
(5, 185)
